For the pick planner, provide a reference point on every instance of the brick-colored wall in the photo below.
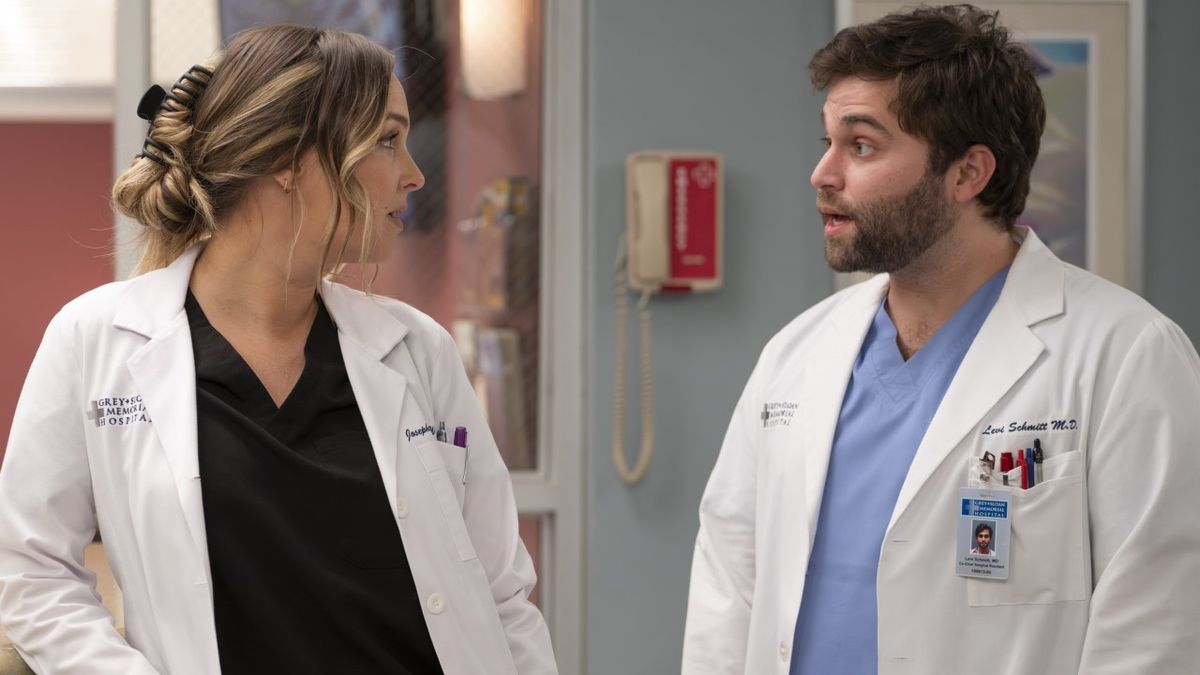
(55, 235)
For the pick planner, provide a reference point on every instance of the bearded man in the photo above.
(983, 540)
(832, 524)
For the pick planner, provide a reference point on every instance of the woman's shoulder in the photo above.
(86, 319)
(420, 326)
(142, 304)
(98, 305)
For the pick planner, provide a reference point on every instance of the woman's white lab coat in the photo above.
(1105, 554)
(105, 435)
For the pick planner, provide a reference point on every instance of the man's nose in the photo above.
(826, 174)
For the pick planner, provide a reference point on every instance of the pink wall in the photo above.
(485, 140)
(55, 235)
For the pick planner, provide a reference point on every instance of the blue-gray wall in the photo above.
(692, 74)
(732, 78)
(1172, 229)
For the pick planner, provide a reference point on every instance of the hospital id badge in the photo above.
(982, 543)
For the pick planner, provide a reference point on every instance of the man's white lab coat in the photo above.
(1105, 553)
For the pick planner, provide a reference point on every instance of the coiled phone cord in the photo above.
(631, 477)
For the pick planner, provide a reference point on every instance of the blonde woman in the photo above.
(259, 447)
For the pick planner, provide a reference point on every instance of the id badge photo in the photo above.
(982, 541)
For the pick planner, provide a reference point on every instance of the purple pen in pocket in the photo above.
(460, 440)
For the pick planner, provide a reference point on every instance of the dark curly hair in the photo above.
(961, 81)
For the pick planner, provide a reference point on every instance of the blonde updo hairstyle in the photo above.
(275, 93)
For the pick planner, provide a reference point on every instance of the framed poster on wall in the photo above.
(1085, 197)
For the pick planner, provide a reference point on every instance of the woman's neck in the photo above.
(247, 283)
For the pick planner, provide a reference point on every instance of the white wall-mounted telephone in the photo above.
(672, 243)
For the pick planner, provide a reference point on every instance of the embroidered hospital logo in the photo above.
(778, 413)
(118, 411)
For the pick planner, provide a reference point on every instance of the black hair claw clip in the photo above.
(149, 105)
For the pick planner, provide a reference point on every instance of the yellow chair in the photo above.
(11, 663)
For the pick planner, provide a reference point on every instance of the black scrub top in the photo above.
(308, 568)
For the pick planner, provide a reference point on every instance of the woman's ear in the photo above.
(286, 179)
(971, 172)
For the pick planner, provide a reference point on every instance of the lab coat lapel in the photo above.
(163, 370)
(823, 386)
(368, 335)
(1003, 350)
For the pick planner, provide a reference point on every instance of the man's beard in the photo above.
(891, 232)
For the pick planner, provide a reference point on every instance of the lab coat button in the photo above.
(436, 603)
(401, 507)
(783, 652)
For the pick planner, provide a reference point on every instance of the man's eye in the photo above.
(862, 149)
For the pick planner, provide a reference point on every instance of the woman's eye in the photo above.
(389, 141)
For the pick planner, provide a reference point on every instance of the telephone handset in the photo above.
(674, 220)
(672, 243)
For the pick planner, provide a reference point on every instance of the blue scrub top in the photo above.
(888, 405)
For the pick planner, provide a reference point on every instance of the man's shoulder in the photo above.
(1101, 324)
(1087, 291)
(1103, 307)
(812, 322)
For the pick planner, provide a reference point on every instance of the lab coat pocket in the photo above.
(444, 464)
(1046, 551)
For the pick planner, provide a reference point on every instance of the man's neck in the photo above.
(924, 295)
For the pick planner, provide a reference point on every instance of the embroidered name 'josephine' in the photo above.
(420, 431)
